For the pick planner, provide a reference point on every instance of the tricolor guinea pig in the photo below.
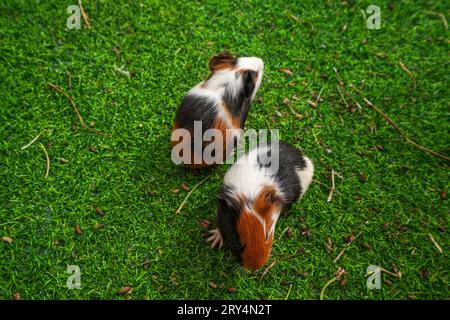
(254, 194)
(220, 102)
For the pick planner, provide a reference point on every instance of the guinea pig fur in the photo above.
(221, 102)
(253, 196)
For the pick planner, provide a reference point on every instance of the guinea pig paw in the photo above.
(215, 238)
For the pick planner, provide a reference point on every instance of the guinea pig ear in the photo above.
(272, 198)
(223, 60)
(249, 82)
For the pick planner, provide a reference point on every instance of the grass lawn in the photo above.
(390, 195)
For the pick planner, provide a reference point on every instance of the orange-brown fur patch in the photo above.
(235, 121)
(251, 233)
(222, 61)
(186, 146)
(222, 126)
(252, 237)
(266, 203)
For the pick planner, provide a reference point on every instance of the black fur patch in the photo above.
(290, 160)
(239, 105)
(249, 82)
(228, 213)
(195, 108)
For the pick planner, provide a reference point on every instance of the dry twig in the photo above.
(403, 135)
(409, 73)
(190, 192)
(345, 248)
(397, 275)
(406, 69)
(339, 273)
(385, 116)
(330, 195)
(267, 269)
(396, 127)
(72, 102)
(342, 96)
(47, 170)
(84, 15)
(33, 141)
(318, 97)
(438, 247)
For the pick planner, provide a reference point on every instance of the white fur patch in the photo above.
(212, 94)
(251, 63)
(274, 222)
(254, 64)
(306, 174)
(214, 88)
(246, 177)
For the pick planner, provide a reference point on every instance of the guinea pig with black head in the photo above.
(253, 195)
(220, 102)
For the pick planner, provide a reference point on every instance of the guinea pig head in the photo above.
(248, 226)
(241, 76)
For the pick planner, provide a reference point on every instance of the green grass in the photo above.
(166, 46)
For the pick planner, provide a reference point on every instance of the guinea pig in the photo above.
(253, 195)
(220, 102)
